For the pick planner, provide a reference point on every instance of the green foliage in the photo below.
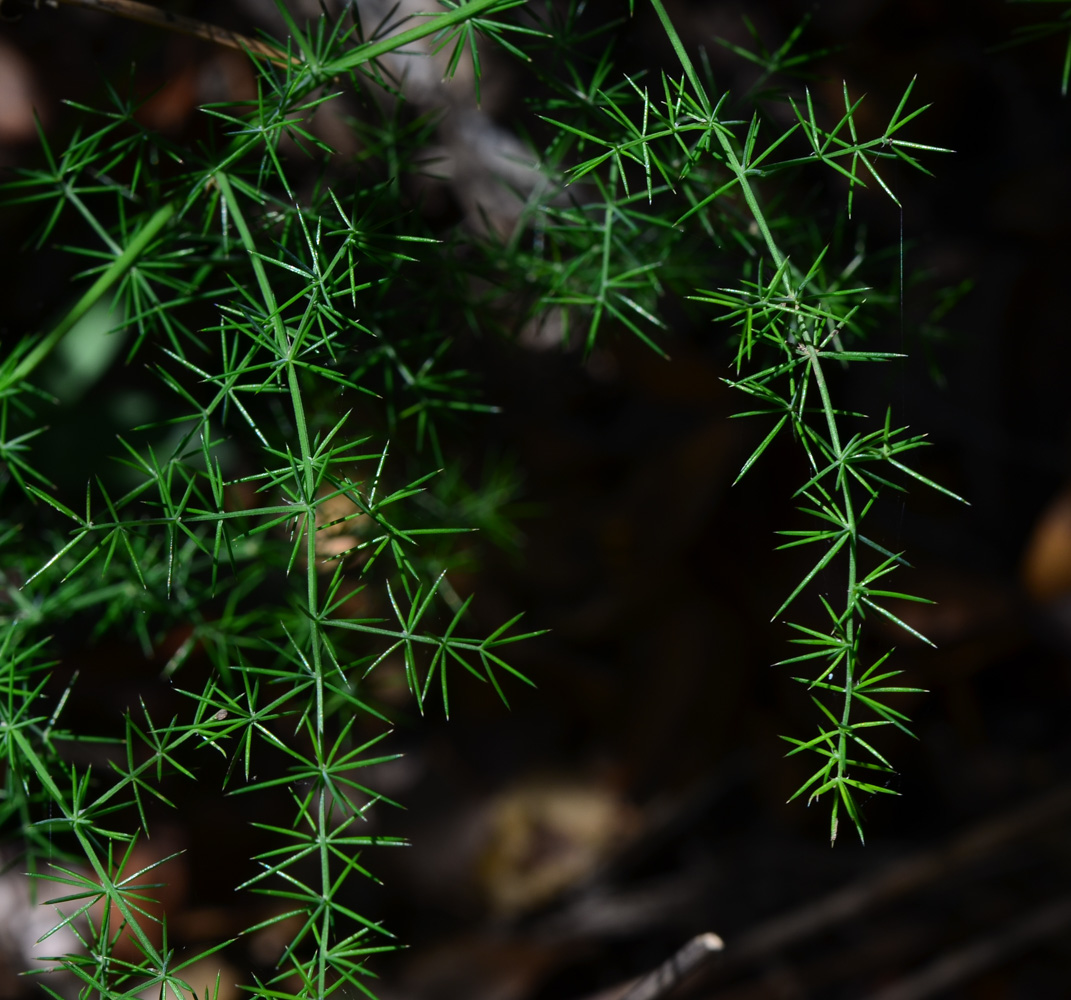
(297, 320)
(698, 168)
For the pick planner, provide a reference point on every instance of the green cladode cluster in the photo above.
(293, 315)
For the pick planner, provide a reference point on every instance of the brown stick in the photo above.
(674, 970)
(145, 14)
(898, 879)
(895, 881)
(968, 962)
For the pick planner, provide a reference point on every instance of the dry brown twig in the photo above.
(895, 881)
(692, 957)
(143, 13)
(663, 980)
(967, 963)
(900, 878)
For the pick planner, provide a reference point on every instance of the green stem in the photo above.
(325, 891)
(851, 649)
(723, 140)
(604, 267)
(373, 50)
(116, 270)
(286, 350)
(682, 55)
(823, 390)
(282, 339)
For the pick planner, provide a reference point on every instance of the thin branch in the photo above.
(146, 14)
(970, 961)
(895, 881)
(692, 957)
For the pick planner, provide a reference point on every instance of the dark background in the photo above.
(647, 767)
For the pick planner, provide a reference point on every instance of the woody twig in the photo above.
(154, 16)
